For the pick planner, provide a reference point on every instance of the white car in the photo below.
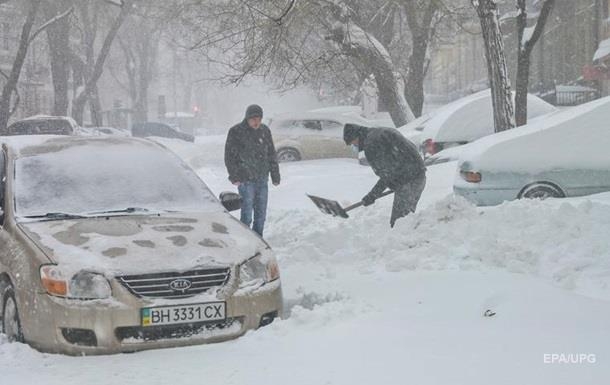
(312, 135)
(462, 121)
(563, 155)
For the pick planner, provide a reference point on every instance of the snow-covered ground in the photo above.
(370, 305)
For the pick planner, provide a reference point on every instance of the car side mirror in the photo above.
(230, 200)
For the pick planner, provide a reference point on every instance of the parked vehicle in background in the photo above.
(462, 121)
(115, 245)
(106, 131)
(43, 125)
(563, 156)
(159, 129)
(312, 135)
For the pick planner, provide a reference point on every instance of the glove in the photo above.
(368, 199)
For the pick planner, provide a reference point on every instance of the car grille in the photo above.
(162, 285)
(155, 333)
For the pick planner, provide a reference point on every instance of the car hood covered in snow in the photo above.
(142, 244)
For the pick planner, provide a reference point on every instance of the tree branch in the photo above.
(546, 10)
(49, 23)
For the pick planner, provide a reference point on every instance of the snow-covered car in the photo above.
(564, 155)
(43, 125)
(115, 245)
(462, 121)
(148, 129)
(312, 135)
(453, 153)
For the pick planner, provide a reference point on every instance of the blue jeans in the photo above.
(254, 200)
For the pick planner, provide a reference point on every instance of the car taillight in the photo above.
(430, 147)
(470, 176)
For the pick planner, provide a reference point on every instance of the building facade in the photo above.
(562, 59)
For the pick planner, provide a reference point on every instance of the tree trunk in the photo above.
(415, 77)
(96, 72)
(501, 96)
(95, 107)
(58, 36)
(525, 46)
(13, 78)
(420, 18)
(362, 46)
(521, 88)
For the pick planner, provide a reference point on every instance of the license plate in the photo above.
(170, 315)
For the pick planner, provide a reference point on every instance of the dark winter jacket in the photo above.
(394, 159)
(250, 154)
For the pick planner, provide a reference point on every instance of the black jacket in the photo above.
(250, 154)
(394, 159)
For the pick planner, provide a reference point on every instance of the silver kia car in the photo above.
(113, 244)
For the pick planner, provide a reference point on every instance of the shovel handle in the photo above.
(356, 205)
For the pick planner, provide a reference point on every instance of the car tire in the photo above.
(541, 191)
(288, 155)
(11, 324)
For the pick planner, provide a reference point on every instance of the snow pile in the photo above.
(564, 242)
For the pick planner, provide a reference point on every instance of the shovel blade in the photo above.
(329, 207)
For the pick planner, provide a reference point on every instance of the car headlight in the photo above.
(82, 285)
(260, 269)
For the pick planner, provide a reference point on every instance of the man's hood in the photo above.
(133, 244)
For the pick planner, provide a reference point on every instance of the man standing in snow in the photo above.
(397, 163)
(250, 158)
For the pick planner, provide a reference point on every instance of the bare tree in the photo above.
(305, 42)
(527, 37)
(421, 17)
(8, 102)
(504, 115)
(58, 36)
(90, 69)
(360, 45)
(139, 42)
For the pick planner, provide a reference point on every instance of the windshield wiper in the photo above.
(128, 210)
(56, 216)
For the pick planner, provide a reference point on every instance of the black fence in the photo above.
(570, 95)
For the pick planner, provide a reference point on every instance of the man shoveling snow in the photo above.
(397, 163)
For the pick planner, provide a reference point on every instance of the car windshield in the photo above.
(98, 177)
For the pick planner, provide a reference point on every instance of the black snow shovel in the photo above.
(333, 208)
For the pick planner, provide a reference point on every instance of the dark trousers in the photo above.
(406, 198)
(254, 204)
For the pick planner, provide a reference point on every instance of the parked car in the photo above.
(159, 129)
(43, 125)
(453, 153)
(312, 135)
(565, 155)
(462, 121)
(115, 245)
(106, 131)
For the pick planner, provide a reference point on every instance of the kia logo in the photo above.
(180, 284)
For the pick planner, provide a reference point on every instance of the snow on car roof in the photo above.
(341, 118)
(27, 145)
(471, 117)
(577, 128)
